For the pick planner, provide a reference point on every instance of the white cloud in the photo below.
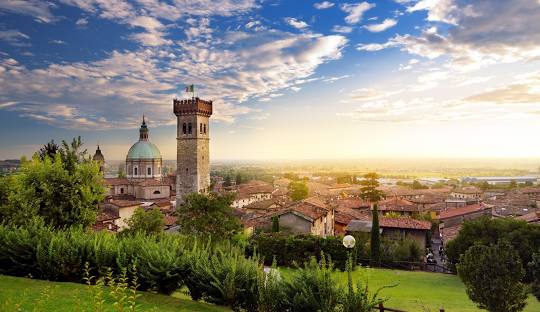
(387, 23)
(356, 11)
(82, 22)
(57, 41)
(14, 38)
(370, 47)
(323, 5)
(39, 9)
(298, 24)
(342, 29)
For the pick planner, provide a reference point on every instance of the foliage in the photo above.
(238, 178)
(403, 250)
(227, 181)
(534, 268)
(271, 293)
(148, 222)
(524, 237)
(314, 287)
(492, 276)
(298, 190)
(359, 299)
(210, 214)
(375, 242)
(275, 224)
(122, 171)
(369, 190)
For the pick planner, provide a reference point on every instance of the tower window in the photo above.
(149, 171)
(121, 190)
(135, 171)
(157, 192)
(200, 128)
(189, 128)
(187, 170)
(184, 130)
(204, 127)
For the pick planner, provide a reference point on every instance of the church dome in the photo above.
(143, 150)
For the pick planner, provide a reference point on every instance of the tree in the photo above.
(534, 268)
(48, 150)
(375, 238)
(513, 184)
(492, 276)
(147, 222)
(275, 224)
(298, 190)
(369, 190)
(227, 181)
(208, 214)
(238, 178)
(61, 195)
(417, 185)
(121, 171)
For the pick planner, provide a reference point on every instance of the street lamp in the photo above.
(349, 242)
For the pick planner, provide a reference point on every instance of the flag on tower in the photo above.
(190, 88)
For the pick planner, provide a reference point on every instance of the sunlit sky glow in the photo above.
(289, 79)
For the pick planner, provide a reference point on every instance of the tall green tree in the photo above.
(147, 222)
(121, 171)
(369, 192)
(298, 190)
(227, 181)
(534, 268)
(492, 277)
(275, 224)
(208, 214)
(238, 178)
(61, 194)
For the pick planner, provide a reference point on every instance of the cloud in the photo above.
(323, 5)
(82, 22)
(342, 29)
(479, 33)
(298, 24)
(59, 42)
(114, 91)
(387, 23)
(370, 47)
(39, 9)
(526, 91)
(356, 11)
(14, 38)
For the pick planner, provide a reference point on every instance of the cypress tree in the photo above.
(275, 224)
(375, 238)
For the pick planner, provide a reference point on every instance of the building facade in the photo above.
(193, 146)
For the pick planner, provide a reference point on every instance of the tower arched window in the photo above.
(189, 128)
(184, 130)
(135, 171)
(204, 128)
(149, 171)
(200, 128)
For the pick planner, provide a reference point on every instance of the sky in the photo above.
(289, 79)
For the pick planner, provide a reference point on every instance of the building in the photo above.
(100, 159)
(143, 160)
(467, 193)
(143, 172)
(252, 192)
(397, 205)
(307, 217)
(192, 142)
(457, 216)
(500, 180)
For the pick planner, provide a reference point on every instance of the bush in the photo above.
(534, 268)
(314, 287)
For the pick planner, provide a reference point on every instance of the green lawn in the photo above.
(422, 291)
(416, 291)
(77, 297)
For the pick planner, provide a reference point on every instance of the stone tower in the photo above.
(192, 142)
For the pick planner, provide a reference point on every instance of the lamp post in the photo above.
(349, 242)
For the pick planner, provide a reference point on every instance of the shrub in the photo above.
(271, 292)
(534, 269)
(314, 287)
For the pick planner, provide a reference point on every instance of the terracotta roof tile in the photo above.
(462, 211)
(404, 223)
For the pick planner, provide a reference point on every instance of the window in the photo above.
(189, 128)
(135, 171)
(121, 190)
(200, 128)
(187, 170)
(157, 192)
(149, 171)
(204, 127)
(184, 129)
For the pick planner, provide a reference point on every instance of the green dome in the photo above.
(143, 150)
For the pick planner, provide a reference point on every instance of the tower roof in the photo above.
(193, 106)
(98, 156)
(143, 149)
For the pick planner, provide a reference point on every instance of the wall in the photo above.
(294, 223)
(125, 213)
(419, 236)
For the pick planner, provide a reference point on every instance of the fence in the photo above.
(381, 308)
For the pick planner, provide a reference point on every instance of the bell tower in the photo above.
(192, 142)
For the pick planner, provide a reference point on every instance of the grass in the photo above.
(37, 295)
(416, 291)
(422, 291)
